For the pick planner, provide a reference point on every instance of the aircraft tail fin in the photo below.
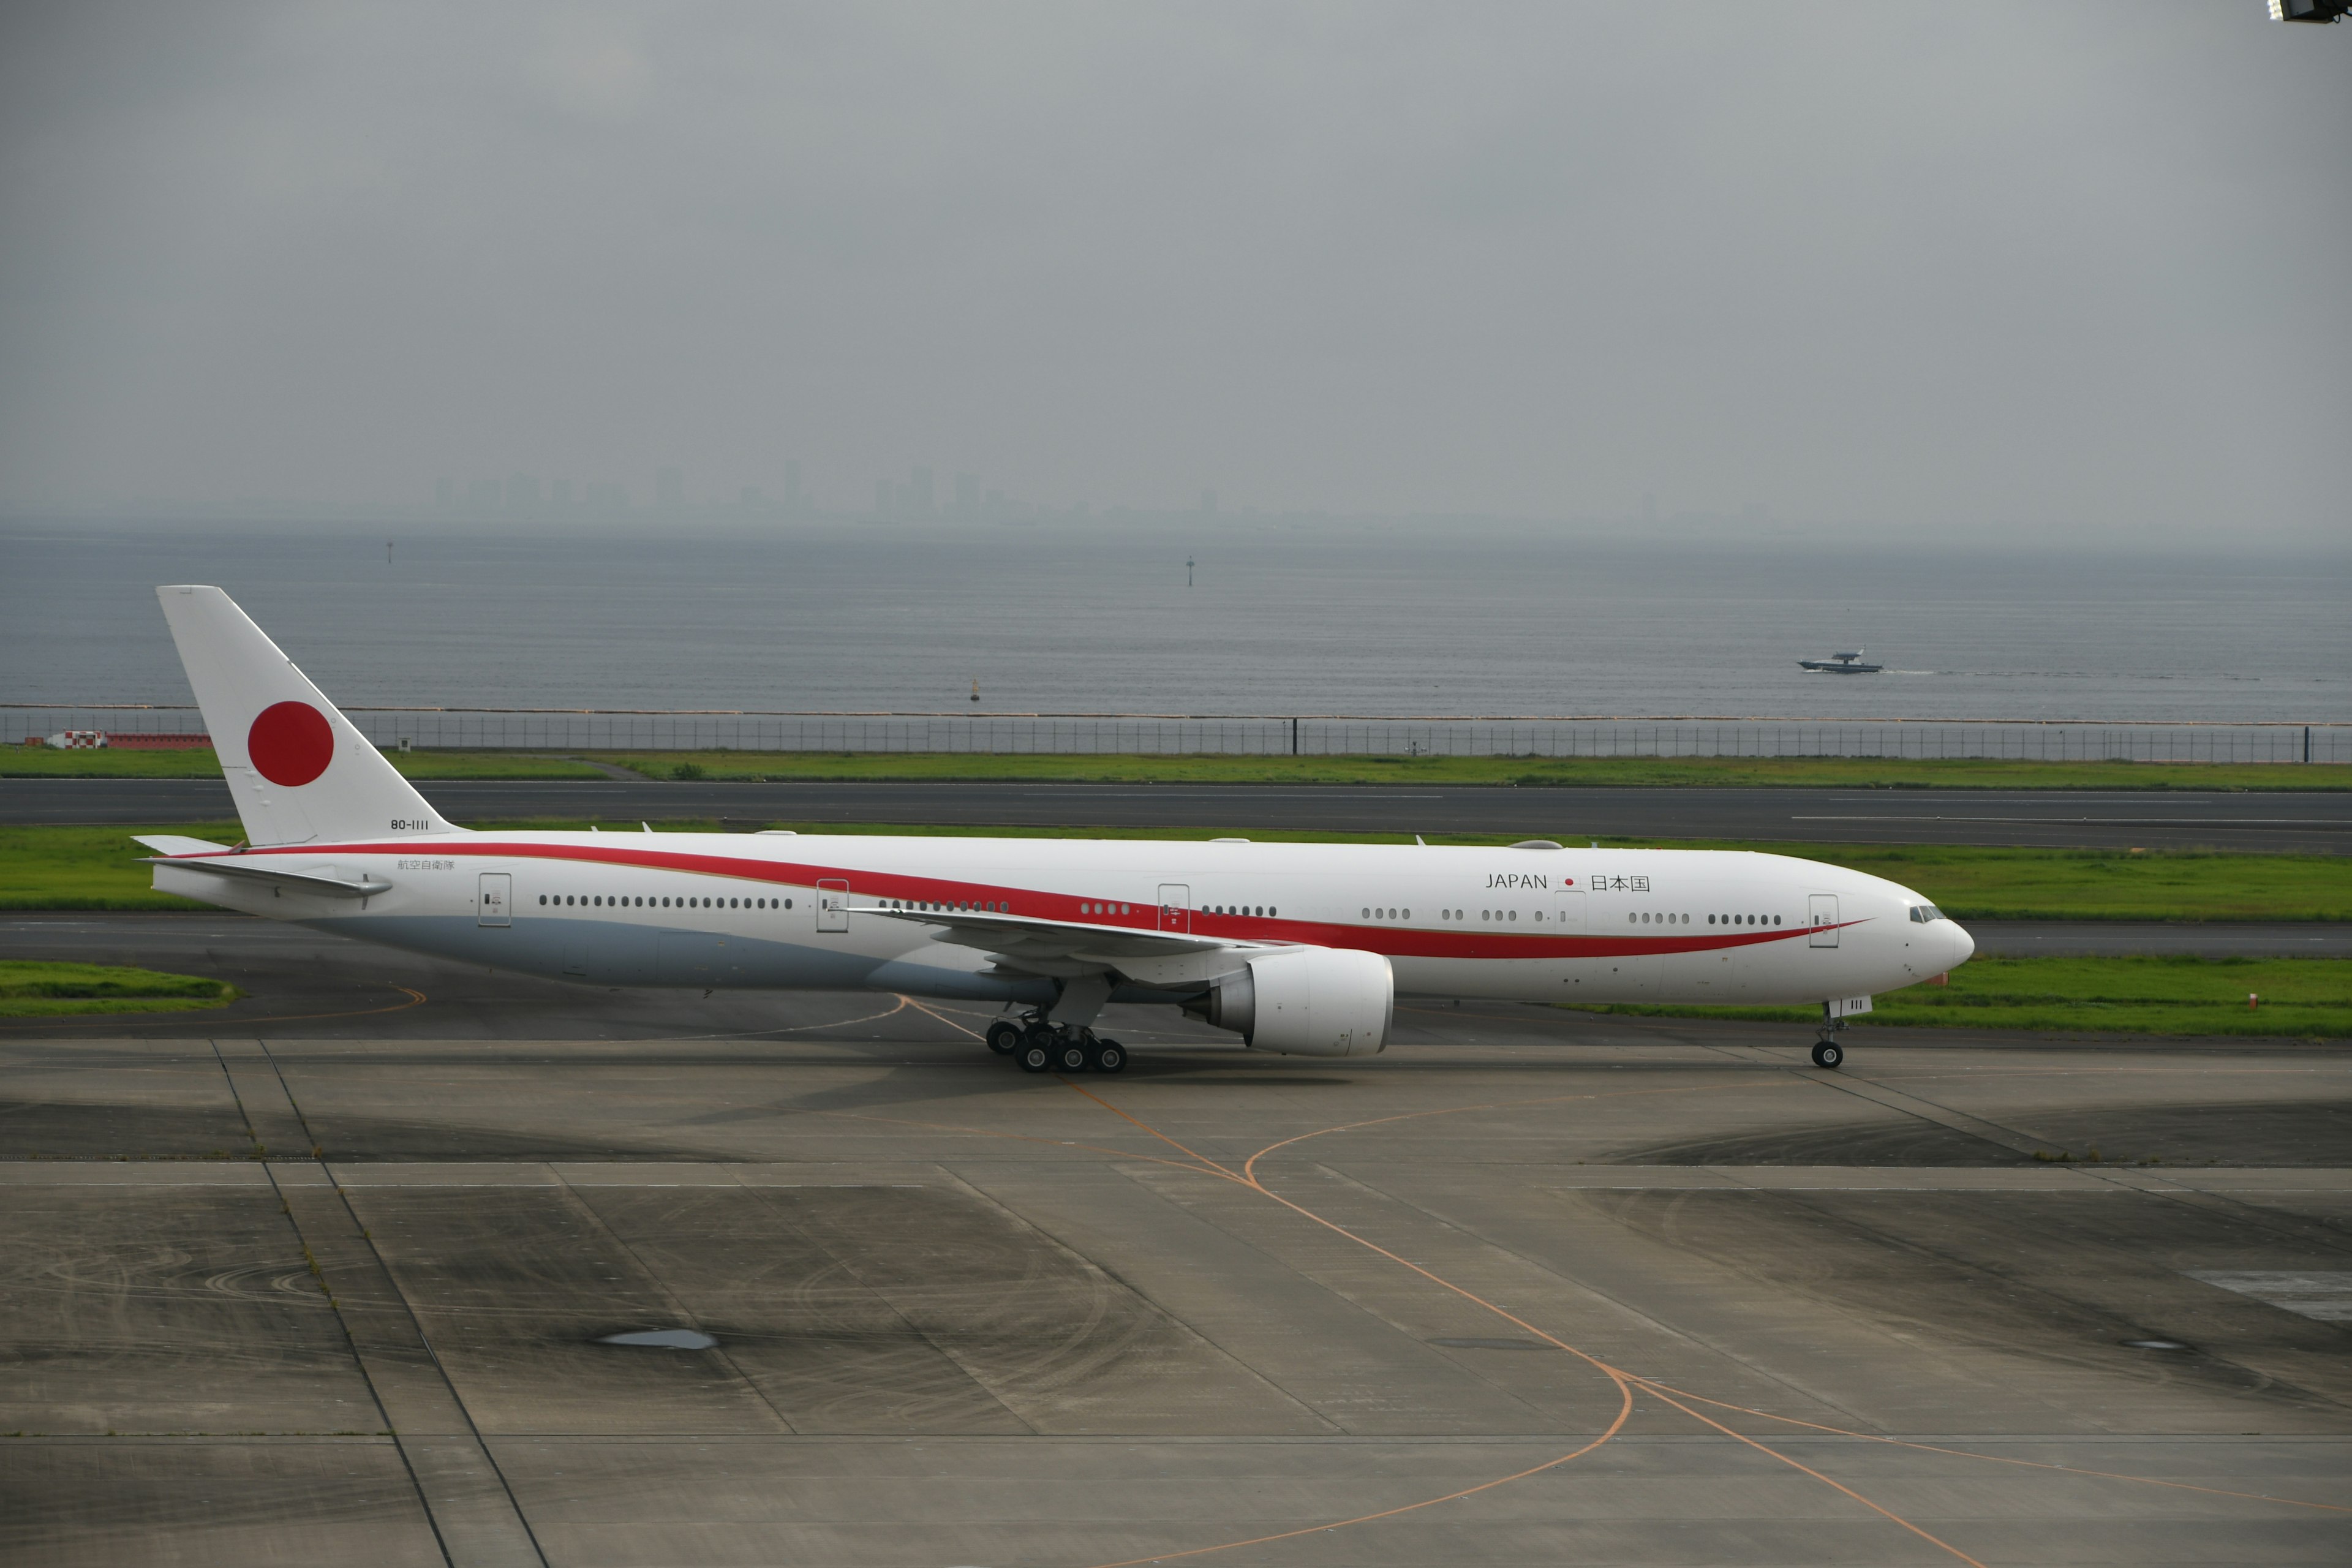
(300, 772)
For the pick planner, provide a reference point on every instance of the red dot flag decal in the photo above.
(291, 743)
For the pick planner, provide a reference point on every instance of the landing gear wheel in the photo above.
(1002, 1036)
(1035, 1056)
(1108, 1056)
(1828, 1053)
(1070, 1055)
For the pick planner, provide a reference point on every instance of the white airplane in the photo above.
(1301, 949)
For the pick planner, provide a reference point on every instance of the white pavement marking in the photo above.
(2324, 1294)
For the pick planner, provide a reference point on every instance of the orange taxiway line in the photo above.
(1879, 1509)
(1625, 1381)
(1622, 1381)
(1625, 1410)
(1667, 1392)
(1250, 1166)
(415, 999)
(1617, 1374)
(1144, 1126)
(791, 1028)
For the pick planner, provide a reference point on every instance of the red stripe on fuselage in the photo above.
(1393, 941)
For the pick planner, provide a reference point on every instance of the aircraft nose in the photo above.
(1964, 946)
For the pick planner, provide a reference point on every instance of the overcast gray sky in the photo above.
(1991, 264)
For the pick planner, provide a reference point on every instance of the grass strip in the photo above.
(2169, 994)
(1984, 883)
(33, 989)
(43, 763)
(71, 868)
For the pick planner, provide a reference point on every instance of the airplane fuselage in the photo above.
(842, 912)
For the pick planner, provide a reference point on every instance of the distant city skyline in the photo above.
(669, 492)
(913, 495)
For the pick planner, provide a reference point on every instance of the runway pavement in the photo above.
(331, 1277)
(2316, 823)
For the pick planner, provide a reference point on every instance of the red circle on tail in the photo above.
(291, 743)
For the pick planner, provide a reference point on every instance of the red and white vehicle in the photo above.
(1300, 948)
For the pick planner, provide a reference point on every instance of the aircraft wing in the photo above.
(1065, 947)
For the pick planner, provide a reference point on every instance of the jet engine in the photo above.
(1306, 1002)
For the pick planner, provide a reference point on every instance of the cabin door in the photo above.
(1825, 921)
(497, 895)
(1176, 907)
(833, 906)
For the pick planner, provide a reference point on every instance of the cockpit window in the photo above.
(1926, 913)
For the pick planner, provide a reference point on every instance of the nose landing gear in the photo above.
(1827, 1052)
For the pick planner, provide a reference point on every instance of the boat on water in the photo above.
(1842, 664)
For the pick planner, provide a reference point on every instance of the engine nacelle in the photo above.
(1306, 1002)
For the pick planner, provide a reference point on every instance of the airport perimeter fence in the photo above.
(573, 730)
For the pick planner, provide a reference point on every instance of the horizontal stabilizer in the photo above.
(178, 844)
(331, 880)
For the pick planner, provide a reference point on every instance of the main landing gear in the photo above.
(1827, 1052)
(1043, 1046)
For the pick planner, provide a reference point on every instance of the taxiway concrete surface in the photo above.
(326, 1278)
(2318, 823)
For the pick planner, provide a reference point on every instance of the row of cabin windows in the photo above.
(1368, 912)
(960, 906)
(1632, 917)
(1645, 918)
(598, 901)
(1500, 916)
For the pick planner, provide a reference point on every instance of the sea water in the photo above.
(1276, 620)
